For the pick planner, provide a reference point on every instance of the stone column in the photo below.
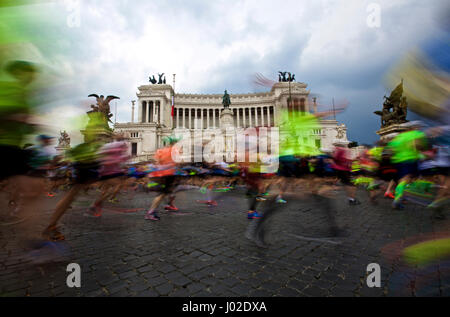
(238, 125)
(201, 118)
(207, 118)
(154, 112)
(262, 116)
(184, 117)
(190, 118)
(214, 117)
(148, 117)
(257, 109)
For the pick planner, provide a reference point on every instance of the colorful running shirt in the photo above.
(376, 153)
(342, 159)
(296, 134)
(113, 156)
(85, 153)
(404, 146)
(165, 163)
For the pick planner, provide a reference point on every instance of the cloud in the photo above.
(213, 45)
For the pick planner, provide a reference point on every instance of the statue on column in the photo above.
(226, 101)
(399, 107)
(103, 106)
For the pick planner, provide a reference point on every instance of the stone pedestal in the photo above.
(62, 149)
(226, 119)
(101, 135)
(390, 132)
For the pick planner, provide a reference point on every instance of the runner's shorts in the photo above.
(407, 168)
(14, 161)
(344, 177)
(288, 167)
(86, 172)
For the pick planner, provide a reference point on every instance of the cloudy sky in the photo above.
(216, 44)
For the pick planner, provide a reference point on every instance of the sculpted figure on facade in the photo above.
(103, 106)
(399, 106)
(64, 140)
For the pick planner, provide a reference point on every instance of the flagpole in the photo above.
(173, 103)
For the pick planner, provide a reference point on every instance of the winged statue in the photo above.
(102, 105)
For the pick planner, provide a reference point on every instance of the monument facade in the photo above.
(212, 111)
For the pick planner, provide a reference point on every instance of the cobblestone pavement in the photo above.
(202, 251)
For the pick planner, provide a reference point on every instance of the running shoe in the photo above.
(256, 215)
(152, 216)
(260, 198)
(389, 195)
(171, 208)
(212, 203)
(250, 214)
(281, 201)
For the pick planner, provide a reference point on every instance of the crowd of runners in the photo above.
(412, 165)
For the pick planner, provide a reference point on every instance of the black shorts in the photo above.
(344, 177)
(86, 172)
(13, 161)
(168, 184)
(288, 167)
(407, 168)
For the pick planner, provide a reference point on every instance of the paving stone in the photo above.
(164, 289)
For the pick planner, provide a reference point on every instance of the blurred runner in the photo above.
(112, 172)
(342, 165)
(406, 147)
(166, 169)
